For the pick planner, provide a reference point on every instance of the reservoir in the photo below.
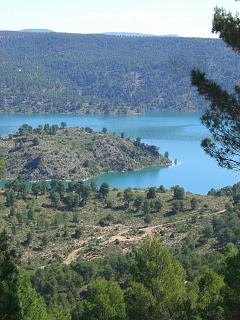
(178, 133)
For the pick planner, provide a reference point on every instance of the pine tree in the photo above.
(18, 300)
(105, 301)
(2, 166)
(222, 118)
(9, 306)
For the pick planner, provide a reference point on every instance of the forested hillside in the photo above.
(99, 254)
(68, 73)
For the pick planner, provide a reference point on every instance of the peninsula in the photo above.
(73, 153)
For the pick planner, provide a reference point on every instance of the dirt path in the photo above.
(74, 254)
(124, 236)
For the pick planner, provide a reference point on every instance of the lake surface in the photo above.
(179, 134)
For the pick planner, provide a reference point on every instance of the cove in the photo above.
(178, 133)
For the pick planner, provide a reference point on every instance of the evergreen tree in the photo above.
(104, 301)
(162, 275)
(35, 189)
(35, 141)
(63, 125)
(31, 305)
(158, 205)
(232, 279)
(128, 196)
(55, 199)
(148, 219)
(138, 201)
(178, 193)
(9, 306)
(2, 166)
(151, 193)
(104, 190)
(18, 300)
(210, 296)
(140, 302)
(178, 206)
(194, 203)
(10, 198)
(222, 118)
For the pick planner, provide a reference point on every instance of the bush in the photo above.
(78, 233)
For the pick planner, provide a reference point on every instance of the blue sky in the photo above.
(183, 17)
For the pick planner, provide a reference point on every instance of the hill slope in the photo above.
(115, 227)
(69, 73)
(74, 154)
(74, 244)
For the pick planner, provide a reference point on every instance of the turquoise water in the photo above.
(179, 134)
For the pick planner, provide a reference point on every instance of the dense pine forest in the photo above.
(69, 73)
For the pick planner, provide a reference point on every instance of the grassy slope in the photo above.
(74, 154)
(126, 227)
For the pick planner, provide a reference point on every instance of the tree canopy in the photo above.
(222, 118)
(18, 300)
(2, 166)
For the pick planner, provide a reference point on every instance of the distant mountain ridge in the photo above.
(136, 34)
(126, 34)
(103, 74)
(37, 30)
